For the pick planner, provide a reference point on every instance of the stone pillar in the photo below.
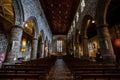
(48, 49)
(77, 46)
(45, 50)
(68, 48)
(77, 50)
(105, 43)
(16, 35)
(85, 47)
(42, 50)
(34, 49)
(72, 48)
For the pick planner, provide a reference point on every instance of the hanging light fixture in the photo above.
(117, 42)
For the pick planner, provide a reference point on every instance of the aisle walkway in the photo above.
(60, 71)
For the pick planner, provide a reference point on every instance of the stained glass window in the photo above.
(59, 45)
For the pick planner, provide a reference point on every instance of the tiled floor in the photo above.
(60, 71)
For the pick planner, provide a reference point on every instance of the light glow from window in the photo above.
(82, 5)
(59, 45)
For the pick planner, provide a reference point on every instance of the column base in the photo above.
(108, 57)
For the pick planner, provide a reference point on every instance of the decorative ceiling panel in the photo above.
(59, 14)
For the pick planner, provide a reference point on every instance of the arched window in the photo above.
(82, 5)
(59, 45)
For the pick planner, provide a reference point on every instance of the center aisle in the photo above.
(59, 71)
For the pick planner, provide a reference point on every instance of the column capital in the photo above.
(16, 26)
(34, 39)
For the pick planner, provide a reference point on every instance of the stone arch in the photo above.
(85, 24)
(106, 48)
(101, 11)
(18, 12)
(77, 34)
(49, 48)
(36, 29)
(77, 43)
(46, 47)
(73, 44)
(31, 26)
(41, 44)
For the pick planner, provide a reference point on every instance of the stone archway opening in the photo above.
(112, 18)
(39, 48)
(46, 47)
(106, 47)
(93, 42)
(89, 43)
(26, 42)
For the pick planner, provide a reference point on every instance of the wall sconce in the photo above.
(93, 21)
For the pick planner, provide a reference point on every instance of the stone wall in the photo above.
(32, 8)
(3, 45)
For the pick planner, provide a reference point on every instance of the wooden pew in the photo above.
(39, 68)
(79, 67)
(23, 70)
(98, 77)
(78, 72)
(21, 76)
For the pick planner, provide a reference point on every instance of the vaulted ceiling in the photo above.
(59, 14)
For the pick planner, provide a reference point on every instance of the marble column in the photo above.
(105, 43)
(34, 49)
(15, 43)
(85, 47)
